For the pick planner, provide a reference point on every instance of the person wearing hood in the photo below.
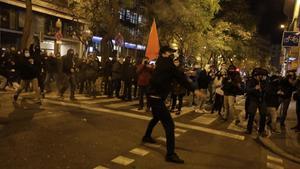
(160, 85)
(27, 66)
(69, 68)
(256, 90)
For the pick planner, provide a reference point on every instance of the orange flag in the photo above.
(152, 50)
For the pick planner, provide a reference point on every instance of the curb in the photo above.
(277, 150)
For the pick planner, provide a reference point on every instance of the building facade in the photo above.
(46, 14)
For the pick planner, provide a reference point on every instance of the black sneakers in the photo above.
(174, 158)
(148, 140)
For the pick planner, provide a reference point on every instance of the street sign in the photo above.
(290, 39)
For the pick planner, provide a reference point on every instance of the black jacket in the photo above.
(203, 80)
(253, 94)
(163, 75)
(128, 71)
(68, 63)
(51, 65)
(271, 96)
(27, 67)
(287, 88)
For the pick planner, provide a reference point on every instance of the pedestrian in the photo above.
(51, 71)
(39, 58)
(27, 67)
(287, 86)
(144, 72)
(160, 85)
(117, 76)
(272, 94)
(178, 91)
(296, 97)
(203, 83)
(3, 79)
(231, 88)
(256, 88)
(219, 93)
(107, 77)
(69, 69)
(128, 72)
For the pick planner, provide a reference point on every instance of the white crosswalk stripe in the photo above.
(184, 110)
(139, 151)
(100, 101)
(205, 119)
(177, 134)
(122, 104)
(180, 130)
(100, 167)
(274, 159)
(122, 160)
(274, 166)
(151, 145)
(97, 110)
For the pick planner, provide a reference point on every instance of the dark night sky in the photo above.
(270, 16)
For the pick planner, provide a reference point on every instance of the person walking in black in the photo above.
(256, 89)
(296, 97)
(287, 86)
(178, 91)
(28, 69)
(107, 77)
(117, 76)
(69, 67)
(128, 72)
(160, 85)
(51, 71)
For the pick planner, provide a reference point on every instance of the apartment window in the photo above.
(4, 22)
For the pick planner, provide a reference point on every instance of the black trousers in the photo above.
(72, 85)
(218, 103)
(174, 100)
(253, 106)
(116, 87)
(161, 113)
(143, 92)
(285, 106)
(246, 107)
(127, 89)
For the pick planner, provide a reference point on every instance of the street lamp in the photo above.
(282, 26)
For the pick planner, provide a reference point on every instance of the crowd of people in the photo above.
(121, 77)
(124, 78)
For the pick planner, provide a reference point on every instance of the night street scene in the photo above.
(149, 84)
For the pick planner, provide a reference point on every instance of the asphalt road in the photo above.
(88, 135)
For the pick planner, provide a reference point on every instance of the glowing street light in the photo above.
(282, 26)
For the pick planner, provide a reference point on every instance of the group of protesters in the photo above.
(121, 77)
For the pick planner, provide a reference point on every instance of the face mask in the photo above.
(176, 55)
(27, 54)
